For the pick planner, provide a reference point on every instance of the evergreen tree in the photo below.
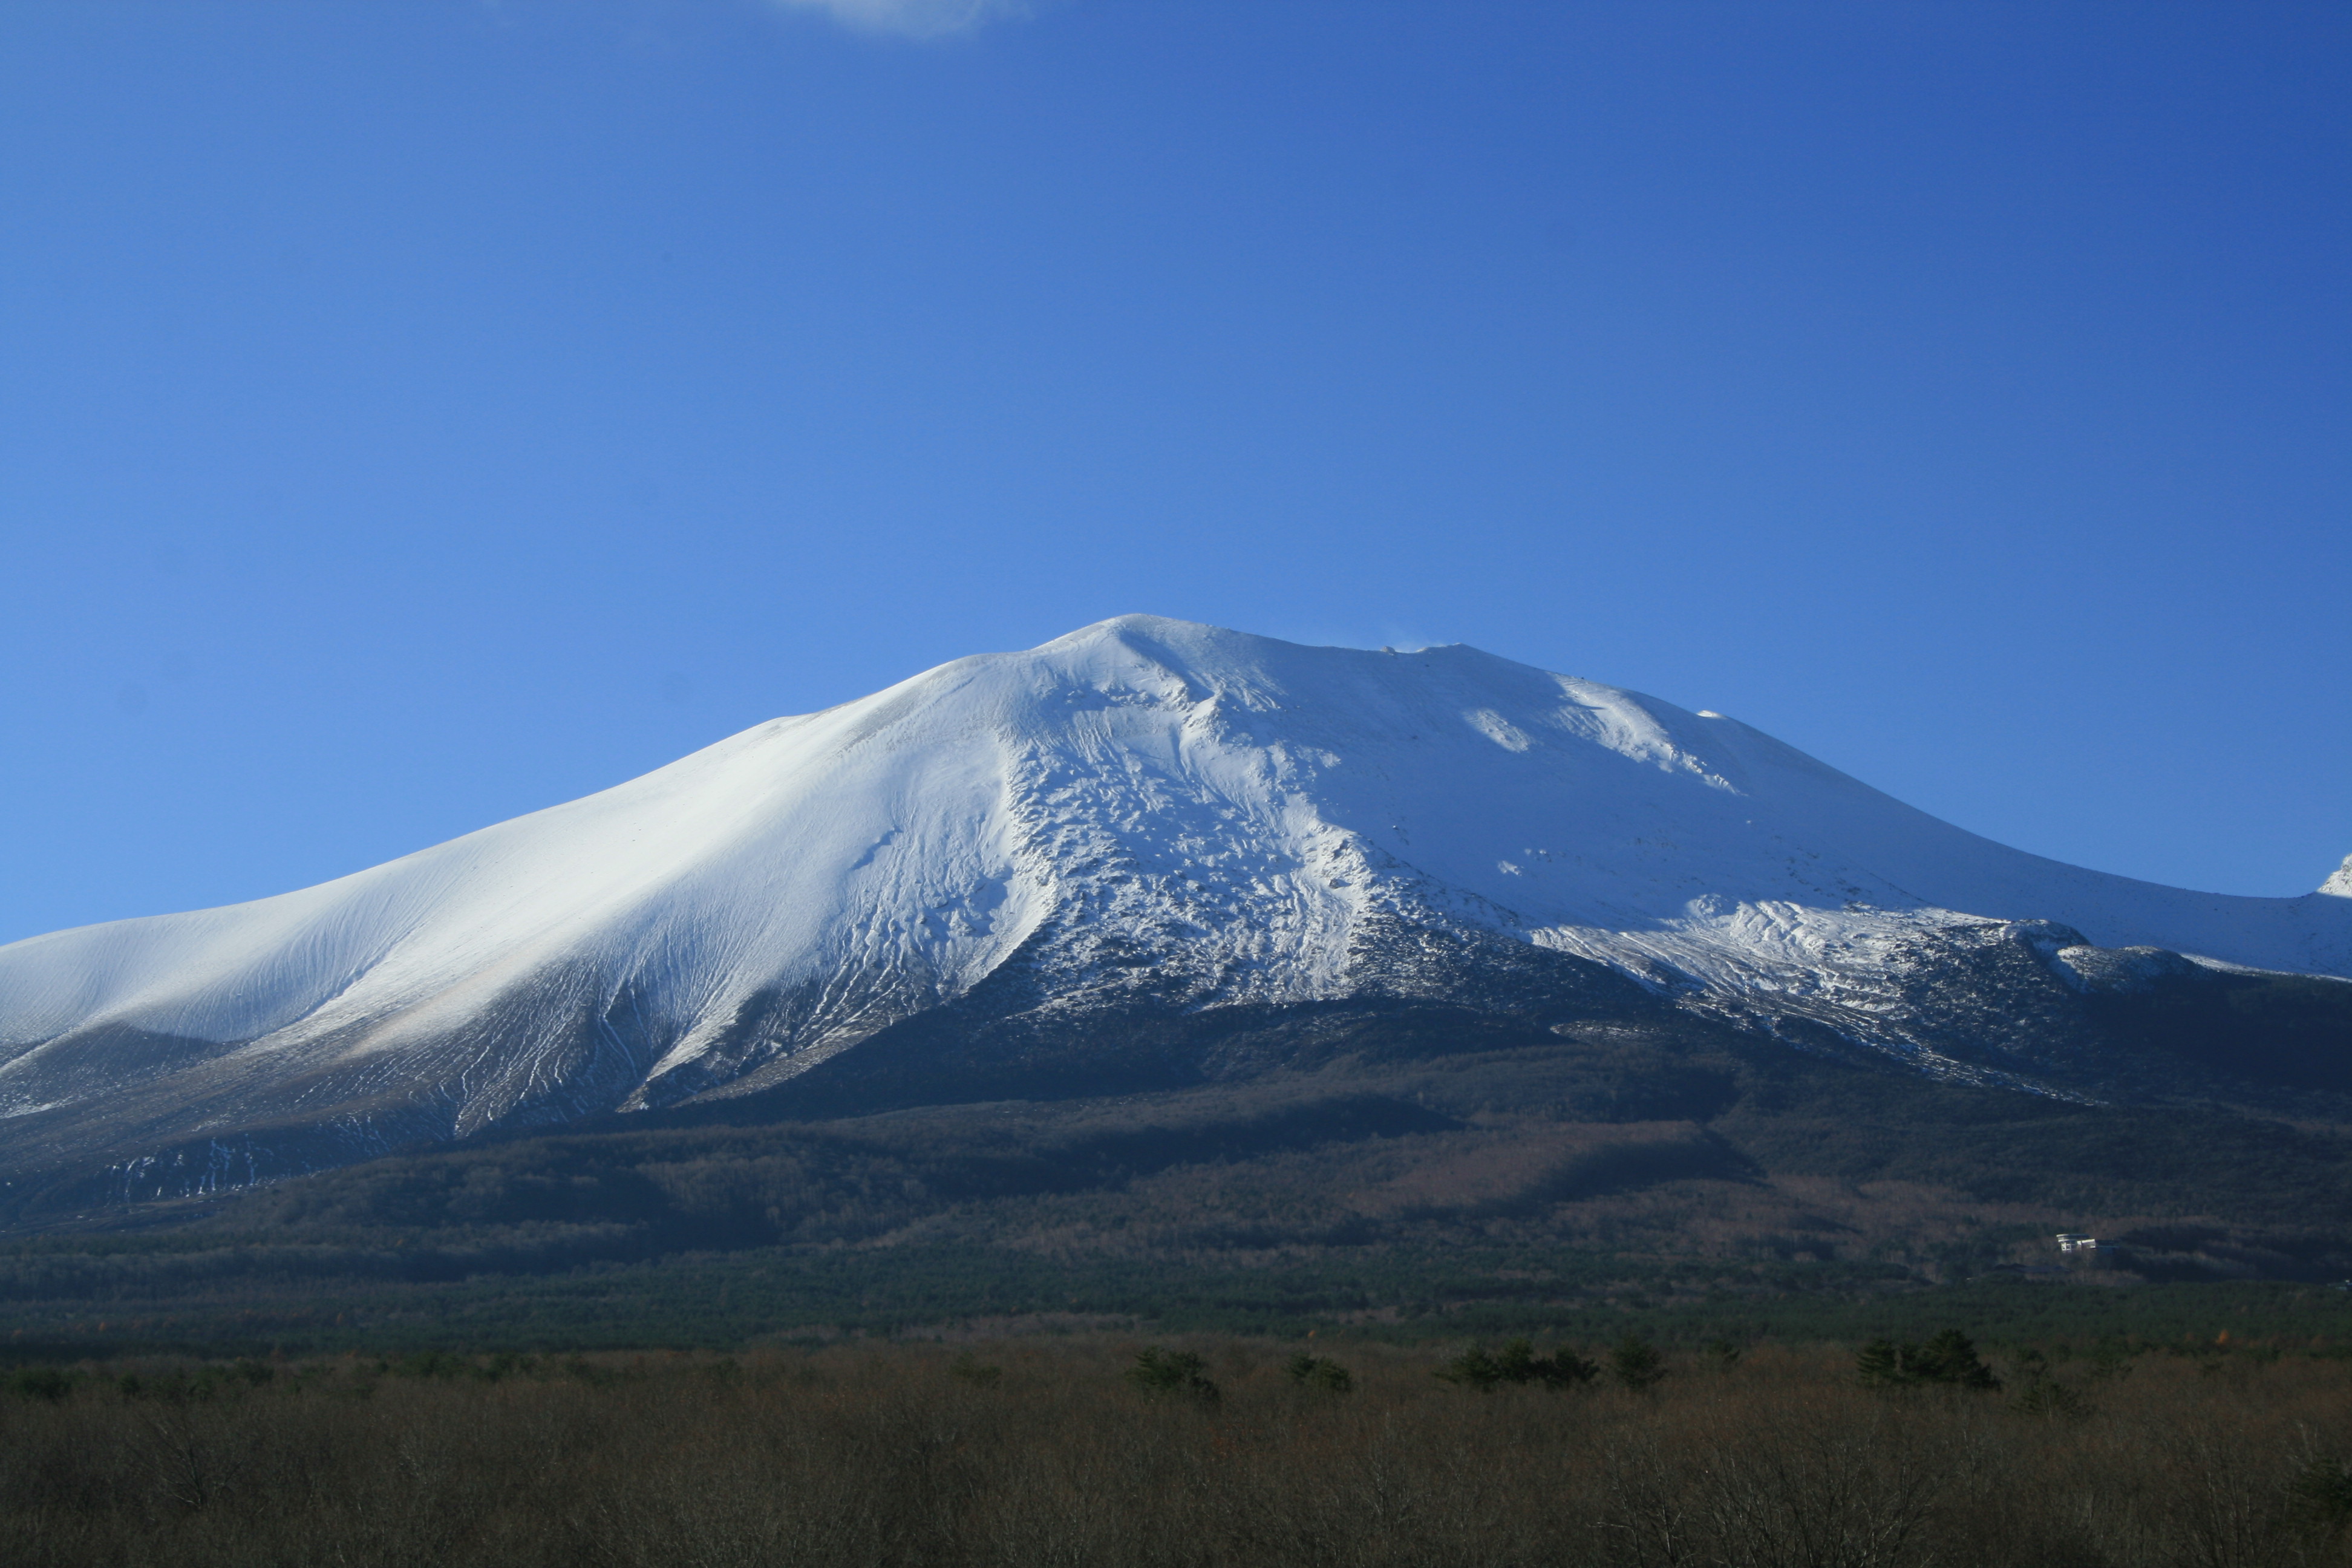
(1319, 1372)
(1158, 1371)
(1636, 1363)
(1565, 1369)
(1949, 1359)
(1473, 1368)
(1880, 1364)
(1517, 1362)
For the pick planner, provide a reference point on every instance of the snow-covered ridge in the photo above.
(1209, 814)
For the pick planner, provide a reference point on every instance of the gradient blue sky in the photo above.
(419, 411)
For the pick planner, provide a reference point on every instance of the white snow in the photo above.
(1242, 801)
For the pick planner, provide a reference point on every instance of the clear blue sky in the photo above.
(418, 412)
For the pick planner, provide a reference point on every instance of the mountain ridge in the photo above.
(1144, 818)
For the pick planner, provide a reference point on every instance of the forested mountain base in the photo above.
(257, 1303)
(1440, 1171)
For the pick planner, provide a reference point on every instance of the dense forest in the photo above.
(1445, 1177)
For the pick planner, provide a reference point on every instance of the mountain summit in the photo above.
(1146, 818)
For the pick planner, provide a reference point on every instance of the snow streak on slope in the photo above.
(1144, 808)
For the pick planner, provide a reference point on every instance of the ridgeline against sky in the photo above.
(1144, 822)
(420, 415)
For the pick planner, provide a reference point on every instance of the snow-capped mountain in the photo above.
(1144, 814)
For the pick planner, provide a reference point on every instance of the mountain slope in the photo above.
(1145, 816)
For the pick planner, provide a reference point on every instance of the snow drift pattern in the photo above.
(1206, 815)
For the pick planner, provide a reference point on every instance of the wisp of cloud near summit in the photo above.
(914, 19)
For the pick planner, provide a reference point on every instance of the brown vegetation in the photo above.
(1045, 1452)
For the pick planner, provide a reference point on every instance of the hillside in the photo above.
(1148, 856)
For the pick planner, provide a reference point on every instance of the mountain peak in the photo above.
(1146, 813)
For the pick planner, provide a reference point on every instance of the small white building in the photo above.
(2070, 1242)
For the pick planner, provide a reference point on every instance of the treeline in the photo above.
(1496, 1192)
(1561, 1143)
(1192, 1454)
(145, 1295)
